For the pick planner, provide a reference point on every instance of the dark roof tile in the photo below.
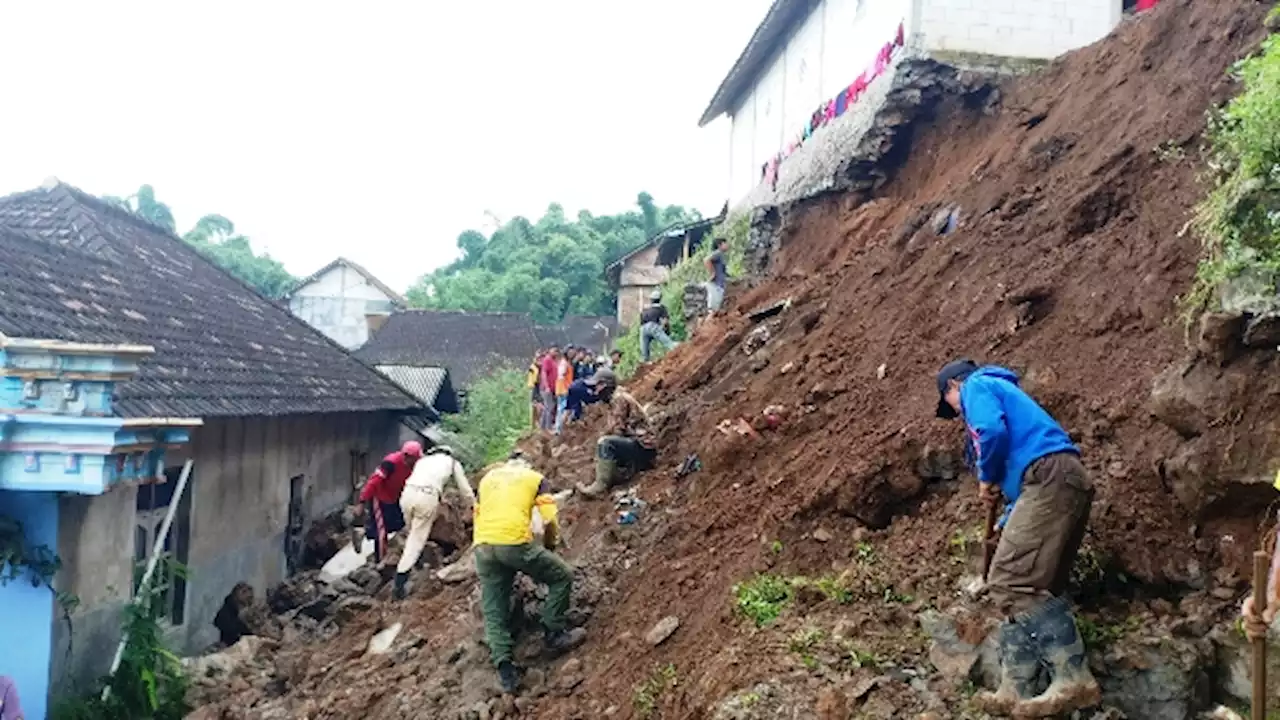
(468, 344)
(78, 269)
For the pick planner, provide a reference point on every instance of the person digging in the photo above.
(507, 497)
(630, 446)
(1022, 453)
(420, 502)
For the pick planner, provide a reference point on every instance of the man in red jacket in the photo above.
(381, 496)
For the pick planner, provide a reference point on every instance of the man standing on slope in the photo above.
(717, 265)
(421, 501)
(630, 446)
(1022, 453)
(381, 496)
(504, 545)
(655, 323)
(547, 386)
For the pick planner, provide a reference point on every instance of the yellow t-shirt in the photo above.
(507, 496)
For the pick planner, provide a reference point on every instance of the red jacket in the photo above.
(387, 482)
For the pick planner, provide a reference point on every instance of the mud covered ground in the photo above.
(1071, 191)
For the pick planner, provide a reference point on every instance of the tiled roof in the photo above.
(468, 344)
(78, 269)
(431, 385)
(395, 297)
(581, 330)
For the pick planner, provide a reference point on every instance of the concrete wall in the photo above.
(239, 509)
(337, 304)
(1011, 28)
(26, 612)
(631, 300)
(838, 40)
(640, 275)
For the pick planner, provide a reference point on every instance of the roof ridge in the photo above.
(362, 270)
(80, 196)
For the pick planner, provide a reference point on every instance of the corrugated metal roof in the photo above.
(426, 384)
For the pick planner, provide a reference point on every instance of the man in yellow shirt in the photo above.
(507, 496)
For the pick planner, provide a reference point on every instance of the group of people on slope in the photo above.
(562, 383)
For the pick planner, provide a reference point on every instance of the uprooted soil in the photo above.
(1072, 196)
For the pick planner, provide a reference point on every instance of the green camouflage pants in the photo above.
(496, 566)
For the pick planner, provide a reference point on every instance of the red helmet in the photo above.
(412, 449)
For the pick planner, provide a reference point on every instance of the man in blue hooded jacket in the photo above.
(1020, 452)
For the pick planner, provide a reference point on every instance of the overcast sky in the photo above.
(374, 130)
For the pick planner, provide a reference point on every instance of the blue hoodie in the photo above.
(1008, 429)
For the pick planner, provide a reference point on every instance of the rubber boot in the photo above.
(399, 591)
(562, 641)
(606, 470)
(1019, 668)
(509, 677)
(1072, 686)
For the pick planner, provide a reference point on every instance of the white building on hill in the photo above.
(345, 302)
(808, 53)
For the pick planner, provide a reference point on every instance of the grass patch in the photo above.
(645, 699)
(1239, 221)
(1101, 635)
(763, 598)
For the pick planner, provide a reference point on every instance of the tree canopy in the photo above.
(216, 238)
(548, 268)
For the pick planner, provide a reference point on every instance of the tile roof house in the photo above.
(596, 332)
(469, 345)
(285, 422)
(431, 385)
(344, 301)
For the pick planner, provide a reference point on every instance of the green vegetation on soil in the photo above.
(497, 413)
(1239, 221)
(647, 694)
(547, 268)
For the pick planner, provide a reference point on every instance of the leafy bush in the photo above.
(646, 696)
(497, 413)
(150, 684)
(763, 598)
(1239, 221)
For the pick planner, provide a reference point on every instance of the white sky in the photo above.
(376, 130)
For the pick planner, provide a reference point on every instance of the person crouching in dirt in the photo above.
(381, 496)
(420, 502)
(507, 497)
(1022, 453)
(629, 448)
(587, 392)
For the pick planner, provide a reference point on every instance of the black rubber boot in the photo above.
(509, 677)
(1019, 669)
(399, 592)
(1073, 686)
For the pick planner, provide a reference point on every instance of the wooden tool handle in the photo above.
(1261, 563)
(988, 537)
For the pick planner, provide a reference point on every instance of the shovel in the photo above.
(1261, 561)
(990, 538)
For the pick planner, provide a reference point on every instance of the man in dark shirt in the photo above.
(716, 265)
(654, 324)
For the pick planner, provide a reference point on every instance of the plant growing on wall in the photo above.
(20, 561)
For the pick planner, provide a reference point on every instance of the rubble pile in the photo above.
(1031, 224)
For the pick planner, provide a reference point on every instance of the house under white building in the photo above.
(806, 53)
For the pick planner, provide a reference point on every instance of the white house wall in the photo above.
(838, 40)
(336, 303)
(1015, 29)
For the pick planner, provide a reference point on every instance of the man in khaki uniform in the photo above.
(1020, 452)
(629, 447)
(420, 502)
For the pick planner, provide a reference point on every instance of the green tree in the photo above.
(547, 268)
(216, 238)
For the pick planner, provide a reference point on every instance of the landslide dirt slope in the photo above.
(1072, 197)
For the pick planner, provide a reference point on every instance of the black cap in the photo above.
(957, 370)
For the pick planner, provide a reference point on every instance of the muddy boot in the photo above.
(562, 641)
(399, 591)
(1072, 687)
(605, 472)
(1019, 667)
(509, 677)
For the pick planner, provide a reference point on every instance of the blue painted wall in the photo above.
(27, 613)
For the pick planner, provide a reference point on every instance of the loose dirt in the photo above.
(1072, 196)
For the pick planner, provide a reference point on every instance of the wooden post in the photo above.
(989, 537)
(1261, 563)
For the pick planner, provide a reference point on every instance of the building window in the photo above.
(168, 590)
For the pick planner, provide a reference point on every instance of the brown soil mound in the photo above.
(1073, 196)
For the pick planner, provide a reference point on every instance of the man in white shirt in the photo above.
(421, 500)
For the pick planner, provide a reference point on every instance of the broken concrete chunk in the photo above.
(663, 630)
